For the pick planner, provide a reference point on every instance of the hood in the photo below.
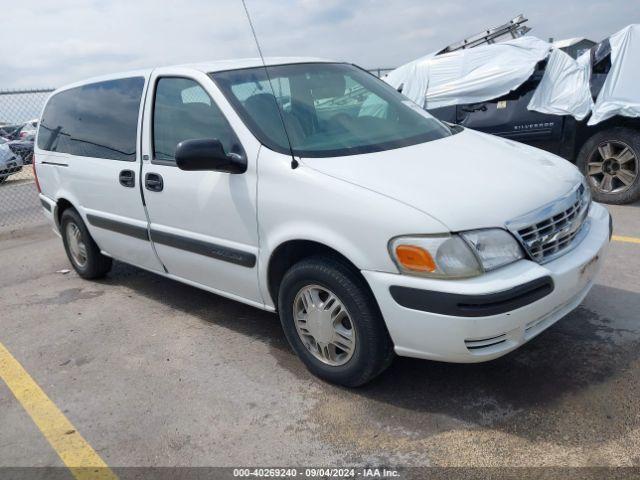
(466, 181)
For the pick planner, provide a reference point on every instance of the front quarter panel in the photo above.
(304, 204)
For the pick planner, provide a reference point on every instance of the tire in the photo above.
(610, 161)
(372, 348)
(95, 264)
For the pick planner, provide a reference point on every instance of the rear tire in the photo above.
(82, 251)
(610, 161)
(351, 310)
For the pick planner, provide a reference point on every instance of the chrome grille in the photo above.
(554, 229)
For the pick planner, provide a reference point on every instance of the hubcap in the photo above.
(324, 325)
(76, 246)
(613, 167)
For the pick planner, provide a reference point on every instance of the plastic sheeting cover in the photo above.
(469, 76)
(564, 88)
(620, 94)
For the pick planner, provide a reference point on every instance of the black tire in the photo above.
(373, 347)
(97, 265)
(619, 138)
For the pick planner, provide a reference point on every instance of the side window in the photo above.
(183, 111)
(95, 120)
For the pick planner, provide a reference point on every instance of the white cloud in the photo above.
(63, 41)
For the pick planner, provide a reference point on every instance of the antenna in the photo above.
(294, 162)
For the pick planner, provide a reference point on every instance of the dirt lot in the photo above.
(152, 372)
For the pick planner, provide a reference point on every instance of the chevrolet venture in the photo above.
(272, 186)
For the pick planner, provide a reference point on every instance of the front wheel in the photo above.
(333, 323)
(609, 160)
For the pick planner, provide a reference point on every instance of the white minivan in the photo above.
(313, 189)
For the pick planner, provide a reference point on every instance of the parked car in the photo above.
(10, 163)
(11, 132)
(23, 148)
(367, 235)
(608, 153)
(28, 129)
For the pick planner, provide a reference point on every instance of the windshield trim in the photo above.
(266, 141)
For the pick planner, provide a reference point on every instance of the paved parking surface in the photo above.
(19, 204)
(153, 372)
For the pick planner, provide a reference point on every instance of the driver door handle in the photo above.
(153, 182)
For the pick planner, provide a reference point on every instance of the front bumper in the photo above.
(509, 320)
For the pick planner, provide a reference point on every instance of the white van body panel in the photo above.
(469, 180)
(210, 207)
(92, 186)
(329, 216)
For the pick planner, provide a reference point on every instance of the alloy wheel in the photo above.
(612, 167)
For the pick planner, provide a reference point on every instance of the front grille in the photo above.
(554, 229)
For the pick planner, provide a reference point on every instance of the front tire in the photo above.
(82, 250)
(333, 322)
(609, 160)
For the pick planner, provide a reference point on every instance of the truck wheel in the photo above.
(333, 323)
(609, 160)
(81, 249)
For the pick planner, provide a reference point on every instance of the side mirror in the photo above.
(208, 154)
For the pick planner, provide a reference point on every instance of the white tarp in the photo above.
(564, 88)
(490, 71)
(620, 94)
(471, 75)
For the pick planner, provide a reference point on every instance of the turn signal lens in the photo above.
(415, 258)
(438, 256)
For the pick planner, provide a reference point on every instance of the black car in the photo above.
(23, 148)
(607, 153)
(11, 132)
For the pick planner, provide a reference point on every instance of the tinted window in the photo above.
(328, 110)
(96, 120)
(184, 111)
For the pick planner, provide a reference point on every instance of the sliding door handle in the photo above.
(127, 178)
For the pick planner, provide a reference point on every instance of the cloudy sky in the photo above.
(49, 43)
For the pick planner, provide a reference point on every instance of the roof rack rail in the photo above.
(514, 27)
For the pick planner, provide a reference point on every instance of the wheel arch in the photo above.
(290, 252)
(62, 204)
(585, 132)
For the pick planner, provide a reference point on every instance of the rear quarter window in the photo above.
(95, 120)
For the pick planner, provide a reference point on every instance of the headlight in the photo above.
(495, 247)
(455, 256)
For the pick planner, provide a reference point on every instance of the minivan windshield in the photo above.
(329, 109)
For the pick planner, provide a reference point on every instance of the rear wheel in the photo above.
(83, 253)
(333, 322)
(609, 160)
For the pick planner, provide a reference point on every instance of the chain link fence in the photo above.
(19, 112)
